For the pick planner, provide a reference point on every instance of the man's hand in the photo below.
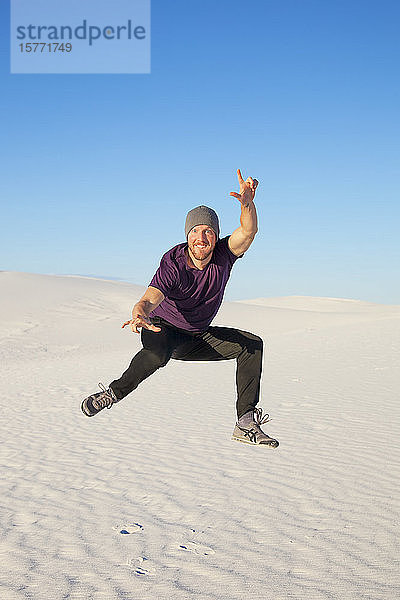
(247, 189)
(141, 321)
(142, 309)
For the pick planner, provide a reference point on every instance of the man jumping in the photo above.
(175, 313)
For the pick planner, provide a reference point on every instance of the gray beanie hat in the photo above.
(202, 215)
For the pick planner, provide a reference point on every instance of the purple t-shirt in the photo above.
(192, 296)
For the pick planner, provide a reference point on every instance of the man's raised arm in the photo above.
(242, 237)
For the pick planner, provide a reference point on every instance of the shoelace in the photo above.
(259, 420)
(107, 400)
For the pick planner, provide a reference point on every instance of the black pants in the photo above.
(217, 343)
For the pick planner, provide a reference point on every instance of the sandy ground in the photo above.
(152, 499)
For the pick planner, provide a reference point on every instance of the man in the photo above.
(175, 313)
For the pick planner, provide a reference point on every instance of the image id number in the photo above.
(45, 47)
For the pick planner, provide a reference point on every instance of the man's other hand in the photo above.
(140, 321)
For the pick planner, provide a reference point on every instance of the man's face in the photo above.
(201, 241)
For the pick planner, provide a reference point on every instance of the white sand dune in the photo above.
(152, 499)
(331, 305)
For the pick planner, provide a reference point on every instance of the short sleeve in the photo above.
(165, 278)
(224, 247)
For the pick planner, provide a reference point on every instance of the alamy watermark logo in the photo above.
(80, 36)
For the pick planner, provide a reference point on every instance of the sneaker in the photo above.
(253, 434)
(96, 402)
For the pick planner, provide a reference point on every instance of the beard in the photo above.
(200, 253)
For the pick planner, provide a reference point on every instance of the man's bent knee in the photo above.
(160, 359)
(256, 344)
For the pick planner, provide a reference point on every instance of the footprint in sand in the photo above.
(138, 567)
(196, 548)
(127, 529)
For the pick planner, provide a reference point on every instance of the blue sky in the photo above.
(99, 171)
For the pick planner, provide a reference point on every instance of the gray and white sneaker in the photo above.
(96, 402)
(248, 429)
